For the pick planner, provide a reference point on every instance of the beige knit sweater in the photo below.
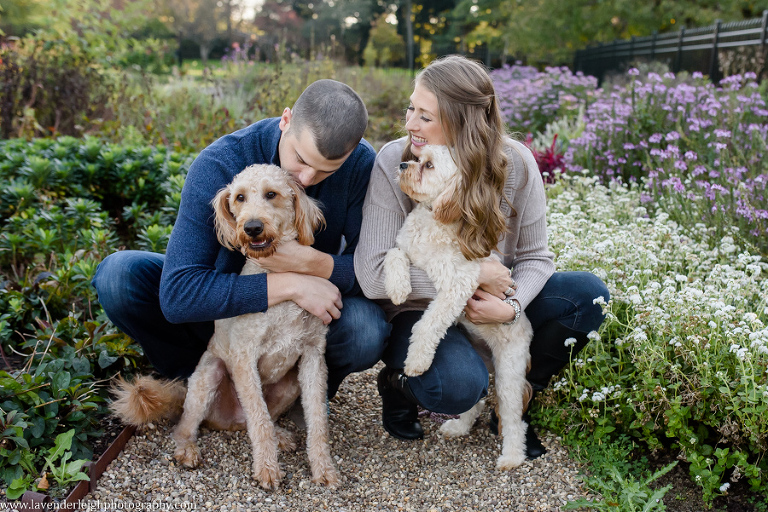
(524, 247)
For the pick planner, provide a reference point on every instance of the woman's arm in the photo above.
(384, 212)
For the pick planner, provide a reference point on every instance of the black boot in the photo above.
(399, 411)
(533, 447)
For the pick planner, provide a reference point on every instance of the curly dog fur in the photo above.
(432, 245)
(271, 357)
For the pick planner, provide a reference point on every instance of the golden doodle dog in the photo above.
(431, 245)
(262, 208)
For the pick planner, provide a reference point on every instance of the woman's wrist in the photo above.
(513, 303)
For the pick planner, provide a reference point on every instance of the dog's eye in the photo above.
(270, 195)
(429, 165)
(240, 198)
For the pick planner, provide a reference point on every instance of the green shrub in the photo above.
(190, 113)
(49, 88)
(67, 203)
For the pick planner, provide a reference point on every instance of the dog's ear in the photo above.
(223, 220)
(446, 208)
(308, 215)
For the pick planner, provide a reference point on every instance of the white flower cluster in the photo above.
(688, 303)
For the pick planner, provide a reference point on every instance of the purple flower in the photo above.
(671, 136)
(690, 155)
(723, 133)
(655, 138)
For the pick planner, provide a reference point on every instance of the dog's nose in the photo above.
(253, 228)
(403, 166)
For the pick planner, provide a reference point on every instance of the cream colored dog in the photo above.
(432, 246)
(262, 208)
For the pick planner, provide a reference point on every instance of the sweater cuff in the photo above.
(252, 296)
(343, 274)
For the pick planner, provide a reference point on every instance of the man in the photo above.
(169, 303)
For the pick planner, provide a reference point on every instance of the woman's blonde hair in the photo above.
(469, 114)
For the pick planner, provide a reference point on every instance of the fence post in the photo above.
(678, 59)
(631, 49)
(653, 43)
(713, 58)
(763, 32)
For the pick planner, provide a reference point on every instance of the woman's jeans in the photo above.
(458, 377)
(128, 284)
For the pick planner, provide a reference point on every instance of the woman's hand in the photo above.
(495, 278)
(484, 308)
(293, 257)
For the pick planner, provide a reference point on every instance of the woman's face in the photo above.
(421, 120)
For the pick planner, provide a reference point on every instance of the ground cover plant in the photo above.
(680, 363)
(65, 204)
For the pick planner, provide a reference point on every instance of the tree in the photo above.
(385, 45)
(199, 20)
(19, 16)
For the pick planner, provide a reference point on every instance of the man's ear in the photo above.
(285, 119)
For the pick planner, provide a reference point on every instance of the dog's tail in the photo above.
(147, 399)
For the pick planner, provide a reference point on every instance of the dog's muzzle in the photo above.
(403, 166)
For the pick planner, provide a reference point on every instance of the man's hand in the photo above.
(318, 296)
(302, 259)
(494, 278)
(484, 308)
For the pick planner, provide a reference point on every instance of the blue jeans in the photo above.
(458, 377)
(128, 284)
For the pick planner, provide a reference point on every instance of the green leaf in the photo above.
(38, 426)
(18, 487)
(105, 359)
(60, 382)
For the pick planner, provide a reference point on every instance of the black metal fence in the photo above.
(687, 50)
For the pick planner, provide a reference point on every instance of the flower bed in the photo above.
(682, 359)
(699, 148)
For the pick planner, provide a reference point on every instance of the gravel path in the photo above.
(378, 471)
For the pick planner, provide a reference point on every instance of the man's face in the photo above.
(300, 157)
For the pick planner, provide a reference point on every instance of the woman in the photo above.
(502, 198)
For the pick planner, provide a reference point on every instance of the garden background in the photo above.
(656, 182)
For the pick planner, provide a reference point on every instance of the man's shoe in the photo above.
(399, 411)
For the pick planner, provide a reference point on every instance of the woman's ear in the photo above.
(223, 220)
(309, 217)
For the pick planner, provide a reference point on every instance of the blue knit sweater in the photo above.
(200, 280)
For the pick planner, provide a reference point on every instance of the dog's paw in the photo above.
(417, 363)
(507, 462)
(398, 292)
(397, 276)
(286, 441)
(454, 428)
(269, 476)
(188, 455)
(326, 475)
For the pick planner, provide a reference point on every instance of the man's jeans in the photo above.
(458, 377)
(128, 284)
